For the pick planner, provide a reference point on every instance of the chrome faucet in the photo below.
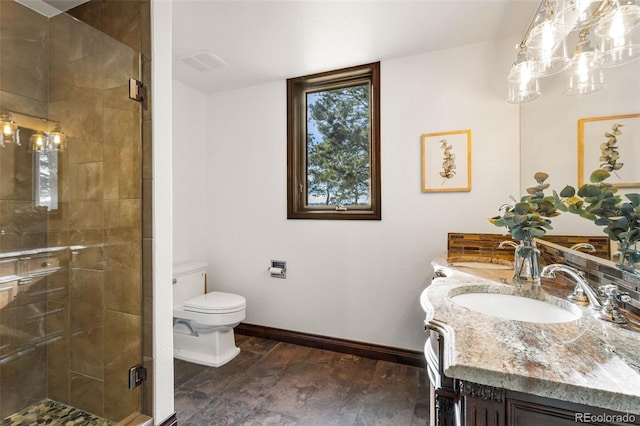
(609, 310)
(588, 247)
(549, 271)
(503, 244)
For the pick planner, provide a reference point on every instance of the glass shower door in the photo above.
(70, 217)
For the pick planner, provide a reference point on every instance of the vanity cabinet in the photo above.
(500, 371)
(462, 403)
(506, 408)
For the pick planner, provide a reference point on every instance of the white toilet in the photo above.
(203, 322)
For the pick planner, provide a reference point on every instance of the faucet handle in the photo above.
(612, 291)
(503, 244)
(610, 310)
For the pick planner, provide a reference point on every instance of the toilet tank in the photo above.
(189, 281)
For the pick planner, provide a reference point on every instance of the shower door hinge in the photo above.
(137, 375)
(137, 91)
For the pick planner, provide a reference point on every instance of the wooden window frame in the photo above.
(297, 88)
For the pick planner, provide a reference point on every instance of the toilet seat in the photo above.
(215, 302)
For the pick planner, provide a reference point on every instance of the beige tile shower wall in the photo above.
(24, 52)
(23, 61)
(126, 21)
(24, 46)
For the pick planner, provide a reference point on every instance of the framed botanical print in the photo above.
(611, 143)
(446, 161)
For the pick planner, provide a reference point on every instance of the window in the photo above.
(333, 144)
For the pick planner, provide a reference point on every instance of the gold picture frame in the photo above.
(446, 161)
(592, 147)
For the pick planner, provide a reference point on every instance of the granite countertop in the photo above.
(586, 361)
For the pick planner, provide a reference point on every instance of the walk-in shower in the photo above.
(70, 217)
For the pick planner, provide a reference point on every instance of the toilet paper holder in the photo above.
(278, 269)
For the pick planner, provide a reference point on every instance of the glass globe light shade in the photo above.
(9, 131)
(584, 76)
(621, 19)
(619, 35)
(550, 59)
(38, 142)
(523, 86)
(575, 14)
(57, 139)
(621, 50)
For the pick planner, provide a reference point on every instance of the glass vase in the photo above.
(627, 256)
(526, 263)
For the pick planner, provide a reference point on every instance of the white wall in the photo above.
(162, 218)
(356, 280)
(189, 187)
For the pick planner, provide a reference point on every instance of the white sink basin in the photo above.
(518, 308)
(480, 265)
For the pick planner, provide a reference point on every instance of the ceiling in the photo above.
(267, 40)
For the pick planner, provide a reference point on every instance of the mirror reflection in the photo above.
(549, 135)
(45, 179)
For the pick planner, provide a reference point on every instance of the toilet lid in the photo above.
(215, 302)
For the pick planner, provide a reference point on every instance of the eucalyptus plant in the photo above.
(529, 218)
(599, 202)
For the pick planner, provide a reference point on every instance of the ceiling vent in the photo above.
(203, 60)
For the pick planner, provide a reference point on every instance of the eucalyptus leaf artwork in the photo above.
(449, 161)
(609, 150)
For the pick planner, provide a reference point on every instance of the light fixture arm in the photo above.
(523, 43)
(603, 8)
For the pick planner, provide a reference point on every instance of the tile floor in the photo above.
(275, 383)
(54, 413)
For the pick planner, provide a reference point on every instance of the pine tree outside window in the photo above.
(333, 137)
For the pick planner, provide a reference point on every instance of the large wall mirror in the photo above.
(549, 133)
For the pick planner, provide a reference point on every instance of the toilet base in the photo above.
(211, 349)
(205, 359)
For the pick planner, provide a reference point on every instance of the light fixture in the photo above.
(523, 85)
(584, 75)
(576, 14)
(9, 132)
(550, 58)
(614, 24)
(47, 136)
(38, 142)
(619, 35)
(41, 142)
(57, 139)
(546, 41)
